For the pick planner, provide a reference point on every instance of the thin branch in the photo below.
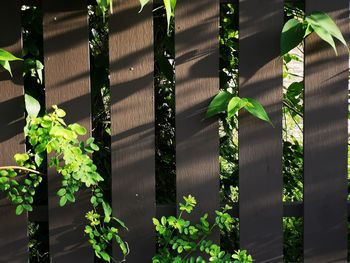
(20, 169)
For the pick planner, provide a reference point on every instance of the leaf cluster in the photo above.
(179, 239)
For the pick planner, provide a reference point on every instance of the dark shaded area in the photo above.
(325, 142)
(260, 144)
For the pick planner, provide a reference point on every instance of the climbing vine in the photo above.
(70, 157)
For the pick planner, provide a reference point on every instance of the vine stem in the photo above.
(20, 168)
(198, 243)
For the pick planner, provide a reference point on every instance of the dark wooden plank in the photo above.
(197, 81)
(13, 230)
(133, 140)
(325, 142)
(67, 83)
(260, 144)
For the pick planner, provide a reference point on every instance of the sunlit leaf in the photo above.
(235, 104)
(326, 22)
(326, 36)
(257, 110)
(219, 104)
(143, 3)
(7, 56)
(6, 65)
(32, 106)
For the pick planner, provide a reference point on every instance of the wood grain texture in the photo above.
(197, 81)
(13, 229)
(133, 135)
(325, 141)
(260, 144)
(67, 83)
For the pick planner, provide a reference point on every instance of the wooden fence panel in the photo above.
(260, 144)
(67, 83)
(133, 139)
(197, 81)
(13, 228)
(325, 138)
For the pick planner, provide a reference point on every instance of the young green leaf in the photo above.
(143, 3)
(326, 22)
(6, 65)
(107, 211)
(292, 35)
(32, 106)
(219, 103)
(235, 104)
(257, 110)
(7, 56)
(19, 210)
(326, 36)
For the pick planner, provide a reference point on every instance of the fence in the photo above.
(260, 206)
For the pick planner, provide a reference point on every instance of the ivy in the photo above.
(69, 157)
(179, 238)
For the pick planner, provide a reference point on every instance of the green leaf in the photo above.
(292, 35)
(78, 129)
(169, 12)
(19, 210)
(326, 36)
(326, 22)
(143, 3)
(63, 201)
(107, 211)
(235, 105)
(21, 158)
(32, 106)
(105, 256)
(6, 65)
(257, 110)
(219, 103)
(61, 192)
(7, 56)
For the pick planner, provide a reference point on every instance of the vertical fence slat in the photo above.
(325, 149)
(197, 81)
(67, 83)
(260, 144)
(133, 141)
(13, 229)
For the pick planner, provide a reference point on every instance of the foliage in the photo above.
(69, 157)
(179, 238)
(169, 7)
(225, 101)
(295, 31)
(5, 59)
(164, 80)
